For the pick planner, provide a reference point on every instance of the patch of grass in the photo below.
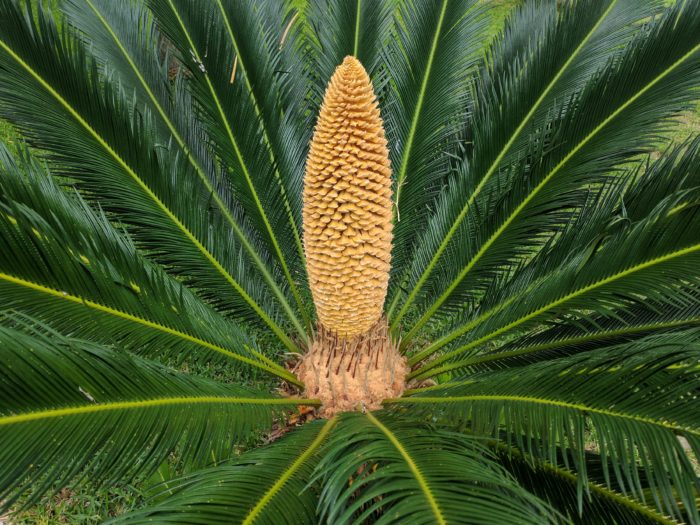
(498, 11)
(688, 124)
(83, 506)
(7, 134)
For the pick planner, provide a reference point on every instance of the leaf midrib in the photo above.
(543, 401)
(267, 365)
(198, 168)
(358, 14)
(160, 204)
(243, 165)
(422, 483)
(417, 110)
(148, 403)
(288, 473)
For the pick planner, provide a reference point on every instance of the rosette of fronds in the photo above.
(466, 266)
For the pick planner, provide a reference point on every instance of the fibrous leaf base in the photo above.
(353, 374)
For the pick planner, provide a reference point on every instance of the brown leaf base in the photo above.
(354, 374)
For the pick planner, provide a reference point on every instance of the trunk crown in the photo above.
(347, 206)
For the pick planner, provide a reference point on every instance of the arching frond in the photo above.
(70, 408)
(232, 57)
(93, 136)
(268, 485)
(580, 145)
(387, 470)
(428, 62)
(633, 396)
(67, 265)
(129, 47)
(259, 60)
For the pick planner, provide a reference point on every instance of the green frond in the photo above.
(584, 138)
(87, 410)
(561, 488)
(67, 265)
(593, 270)
(232, 56)
(575, 335)
(125, 43)
(633, 396)
(383, 469)
(268, 485)
(94, 138)
(284, 142)
(435, 48)
(128, 45)
(338, 28)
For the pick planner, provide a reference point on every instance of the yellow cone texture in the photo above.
(347, 205)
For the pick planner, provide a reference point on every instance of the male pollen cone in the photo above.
(347, 205)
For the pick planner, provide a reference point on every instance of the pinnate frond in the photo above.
(88, 410)
(391, 470)
(635, 397)
(67, 265)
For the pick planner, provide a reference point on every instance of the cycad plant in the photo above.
(460, 267)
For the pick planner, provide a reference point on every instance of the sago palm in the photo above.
(460, 267)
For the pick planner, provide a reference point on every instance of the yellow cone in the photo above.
(347, 205)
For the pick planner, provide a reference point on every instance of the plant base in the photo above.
(354, 374)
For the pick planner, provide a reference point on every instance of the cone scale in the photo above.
(352, 362)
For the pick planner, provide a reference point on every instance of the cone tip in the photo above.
(351, 63)
(351, 69)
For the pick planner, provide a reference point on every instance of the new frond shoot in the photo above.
(353, 363)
